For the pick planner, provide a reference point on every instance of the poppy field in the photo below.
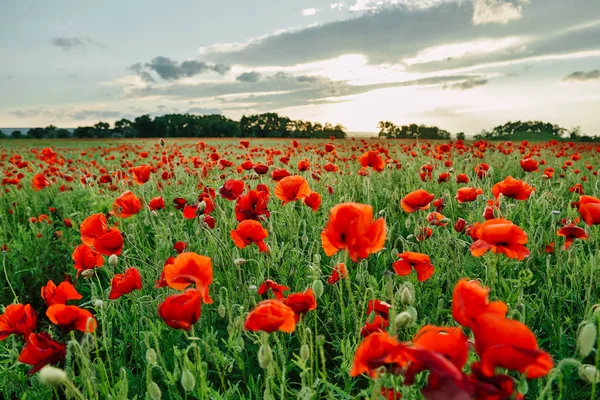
(310, 269)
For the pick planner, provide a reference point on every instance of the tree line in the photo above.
(267, 125)
(389, 130)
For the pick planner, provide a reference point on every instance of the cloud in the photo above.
(581, 76)
(497, 11)
(70, 114)
(337, 6)
(469, 84)
(138, 68)
(171, 70)
(248, 77)
(71, 43)
(204, 111)
(307, 12)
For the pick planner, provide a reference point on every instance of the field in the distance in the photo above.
(203, 334)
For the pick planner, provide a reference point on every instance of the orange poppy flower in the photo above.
(468, 194)
(417, 200)
(41, 350)
(190, 268)
(351, 227)
(378, 350)
(250, 231)
(435, 218)
(141, 174)
(270, 316)
(93, 226)
(301, 303)
(179, 247)
(122, 284)
(502, 237)
(156, 203)
(86, 258)
(313, 200)
(510, 187)
(379, 308)
(181, 311)
(109, 243)
(17, 319)
(372, 159)
(39, 182)
(379, 324)
(418, 262)
(60, 294)
(71, 317)
(589, 210)
(470, 300)
(449, 342)
(529, 165)
(291, 188)
(126, 205)
(571, 232)
(275, 287)
(509, 344)
(338, 272)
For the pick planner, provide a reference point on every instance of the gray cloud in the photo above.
(65, 114)
(138, 68)
(469, 84)
(583, 76)
(249, 77)
(71, 43)
(171, 70)
(204, 111)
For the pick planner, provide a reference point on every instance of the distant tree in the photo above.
(84, 132)
(460, 136)
(144, 126)
(62, 134)
(16, 134)
(36, 133)
(123, 128)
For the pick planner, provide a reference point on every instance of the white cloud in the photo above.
(307, 12)
(337, 6)
(497, 11)
(373, 5)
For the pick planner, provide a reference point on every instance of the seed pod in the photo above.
(304, 352)
(52, 376)
(151, 356)
(317, 288)
(154, 391)
(586, 339)
(187, 380)
(222, 310)
(265, 356)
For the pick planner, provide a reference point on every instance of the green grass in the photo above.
(551, 293)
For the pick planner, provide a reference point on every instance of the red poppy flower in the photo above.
(379, 308)
(449, 342)
(390, 394)
(190, 268)
(417, 200)
(261, 169)
(418, 262)
(270, 316)
(303, 165)
(71, 317)
(589, 210)
(232, 189)
(275, 287)
(462, 178)
(470, 300)
(301, 303)
(443, 177)
(577, 188)
(378, 350)
(17, 319)
(506, 343)
(279, 174)
(41, 350)
(313, 200)
(529, 165)
(156, 203)
(291, 188)
(372, 159)
(109, 243)
(126, 205)
(437, 219)
(460, 225)
(502, 237)
(141, 174)
(510, 187)
(338, 272)
(39, 182)
(179, 247)
(497, 387)
(571, 232)
(423, 233)
(125, 283)
(250, 231)
(93, 226)
(351, 227)
(468, 194)
(181, 311)
(439, 204)
(379, 324)
(86, 258)
(252, 206)
(60, 294)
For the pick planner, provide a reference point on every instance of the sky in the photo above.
(463, 65)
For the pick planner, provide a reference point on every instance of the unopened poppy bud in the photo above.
(222, 311)
(586, 339)
(407, 223)
(317, 288)
(304, 352)
(154, 213)
(403, 320)
(596, 309)
(171, 214)
(201, 207)
(187, 380)
(98, 303)
(239, 261)
(154, 391)
(317, 259)
(252, 289)
(151, 356)
(407, 298)
(87, 273)
(265, 356)
(304, 240)
(589, 373)
(162, 142)
(52, 376)
(239, 342)
(320, 340)
(113, 260)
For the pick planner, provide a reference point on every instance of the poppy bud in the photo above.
(265, 356)
(460, 225)
(406, 297)
(222, 311)
(317, 259)
(403, 320)
(488, 213)
(239, 261)
(154, 391)
(113, 260)
(589, 373)
(154, 213)
(304, 240)
(98, 303)
(304, 352)
(201, 207)
(187, 380)
(596, 309)
(162, 142)
(317, 288)
(87, 273)
(151, 356)
(52, 376)
(586, 339)
(252, 289)
(239, 342)
(320, 340)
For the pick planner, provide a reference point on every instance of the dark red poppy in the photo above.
(460, 225)
(179, 247)
(378, 350)
(156, 203)
(18, 319)
(40, 350)
(338, 272)
(109, 243)
(232, 189)
(529, 165)
(122, 284)
(301, 303)
(181, 311)
(252, 206)
(378, 324)
(275, 287)
(250, 231)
